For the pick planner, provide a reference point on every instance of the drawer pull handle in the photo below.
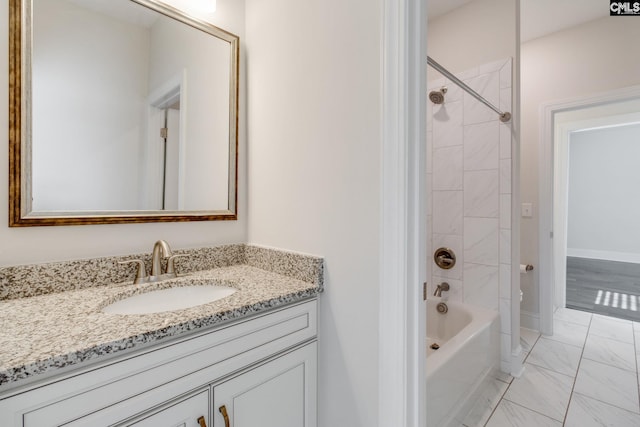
(202, 422)
(223, 411)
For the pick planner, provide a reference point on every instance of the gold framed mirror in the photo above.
(120, 111)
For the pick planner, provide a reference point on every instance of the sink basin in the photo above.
(169, 299)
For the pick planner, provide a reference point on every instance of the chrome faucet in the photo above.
(444, 286)
(161, 250)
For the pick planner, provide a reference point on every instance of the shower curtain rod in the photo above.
(504, 117)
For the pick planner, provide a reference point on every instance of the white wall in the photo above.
(69, 106)
(603, 183)
(314, 162)
(41, 244)
(586, 59)
(481, 31)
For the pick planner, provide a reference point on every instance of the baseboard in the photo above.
(604, 255)
(530, 320)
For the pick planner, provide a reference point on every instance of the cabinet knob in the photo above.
(202, 422)
(223, 411)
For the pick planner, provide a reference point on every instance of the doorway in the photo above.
(562, 240)
(602, 245)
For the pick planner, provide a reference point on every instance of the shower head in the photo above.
(437, 96)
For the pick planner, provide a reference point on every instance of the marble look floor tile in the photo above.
(610, 352)
(489, 398)
(556, 356)
(611, 318)
(510, 414)
(542, 390)
(608, 384)
(504, 377)
(569, 333)
(587, 412)
(573, 316)
(615, 329)
(528, 338)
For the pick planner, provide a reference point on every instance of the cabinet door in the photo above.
(190, 412)
(280, 393)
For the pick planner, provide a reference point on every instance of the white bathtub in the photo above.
(469, 353)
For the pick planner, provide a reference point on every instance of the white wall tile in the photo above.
(505, 141)
(454, 92)
(429, 185)
(436, 84)
(447, 168)
(481, 236)
(447, 124)
(505, 100)
(481, 146)
(505, 347)
(447, 213)
(467, 74)
(505, 315)
(482, 285)
(455, 244)
(506, 76)
(455, 292)
(482, 194)
(429, 165)
(505, 246)
(492, 66)
(505, 176)
(488, 86)
(505, 211)
(505, 281)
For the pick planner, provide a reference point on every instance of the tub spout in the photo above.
(444, 286)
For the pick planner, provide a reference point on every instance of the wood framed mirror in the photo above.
(120, 111)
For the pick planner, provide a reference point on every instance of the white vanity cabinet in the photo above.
(263, 369)
(191, 411)
(280, 393)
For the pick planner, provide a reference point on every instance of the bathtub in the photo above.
(468, 355)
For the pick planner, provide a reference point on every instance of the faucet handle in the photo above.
(170, 264)
(141, 271)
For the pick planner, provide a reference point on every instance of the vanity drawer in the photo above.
(146, 380)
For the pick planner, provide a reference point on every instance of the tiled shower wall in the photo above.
(469, 180)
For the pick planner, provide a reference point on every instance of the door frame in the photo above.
(402, 311)
(546, 182)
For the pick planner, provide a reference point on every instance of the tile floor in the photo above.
(585, 375)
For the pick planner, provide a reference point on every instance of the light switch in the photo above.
(527, 210)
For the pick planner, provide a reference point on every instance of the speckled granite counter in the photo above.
(46, 332)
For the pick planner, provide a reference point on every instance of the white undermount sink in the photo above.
(169, 299)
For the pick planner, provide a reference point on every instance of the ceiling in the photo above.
(538, 17)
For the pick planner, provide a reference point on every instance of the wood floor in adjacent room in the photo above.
(604, 287)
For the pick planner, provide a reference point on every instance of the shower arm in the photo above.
(504, 116)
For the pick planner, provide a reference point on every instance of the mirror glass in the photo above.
(127, 112)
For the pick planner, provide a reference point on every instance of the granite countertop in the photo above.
(46, 332)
